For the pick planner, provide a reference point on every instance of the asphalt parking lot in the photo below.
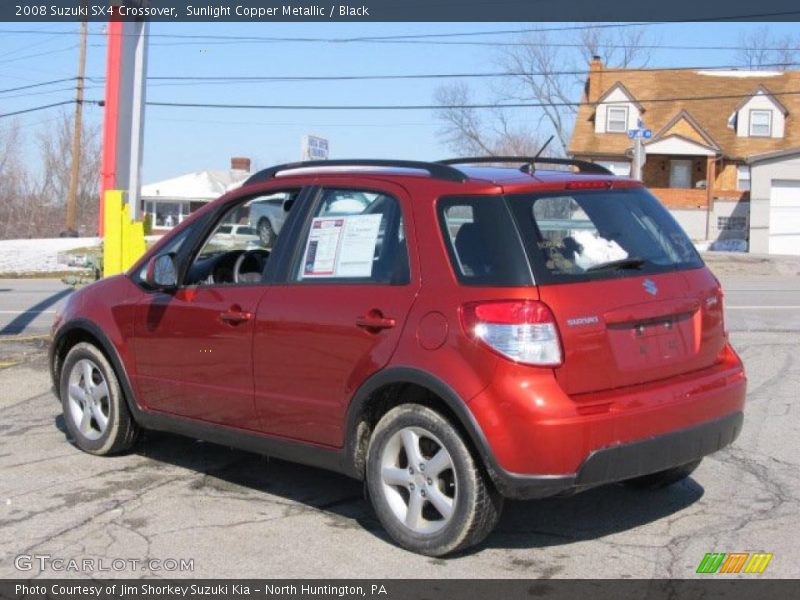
(239, 515)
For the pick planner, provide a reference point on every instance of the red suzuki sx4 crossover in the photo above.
(452, 335)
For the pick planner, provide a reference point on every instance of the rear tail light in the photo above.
(602, 184)
(523, 330)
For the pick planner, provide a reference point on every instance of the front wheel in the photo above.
(95, 411)
(425, 486)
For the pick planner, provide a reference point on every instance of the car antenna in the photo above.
(529, 168)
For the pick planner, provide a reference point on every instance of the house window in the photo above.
(617, 119)
(166, 214)
(760, 123)
(743, 178)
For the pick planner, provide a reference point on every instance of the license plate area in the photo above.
(652, 342)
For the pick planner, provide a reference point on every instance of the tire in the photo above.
(96, 414)
(451, 507)
(662, 479)
(266, 233)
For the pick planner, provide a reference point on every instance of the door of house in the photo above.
(680, 174)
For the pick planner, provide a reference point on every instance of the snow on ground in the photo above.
(39, 255)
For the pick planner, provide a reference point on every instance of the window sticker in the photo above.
(341, 246)
(322, 247)
(358, 246)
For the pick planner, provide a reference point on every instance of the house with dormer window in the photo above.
(727, 165)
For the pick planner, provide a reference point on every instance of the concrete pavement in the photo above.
(28, 305)
(234, 514)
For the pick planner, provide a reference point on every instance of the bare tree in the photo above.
(13, 177)
(467, 133)
(620, 48)
(33, 200)
(535, 73)
(759, 49)
(55, 148)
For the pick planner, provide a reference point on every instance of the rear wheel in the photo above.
(662, 479)
(95, 411)
(425, 486)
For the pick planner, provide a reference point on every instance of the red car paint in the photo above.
(286, 360)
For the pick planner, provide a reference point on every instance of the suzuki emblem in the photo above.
(650, 287)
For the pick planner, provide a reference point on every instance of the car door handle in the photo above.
(235, 315)
(374, 320)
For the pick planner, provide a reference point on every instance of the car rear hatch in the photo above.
(631, 297)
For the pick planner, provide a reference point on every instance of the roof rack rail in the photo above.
(436, 170)
(582, 165)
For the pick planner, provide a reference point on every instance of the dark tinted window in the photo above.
(581, 235)
(482, 242)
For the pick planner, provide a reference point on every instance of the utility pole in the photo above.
(72, 198)
(638, 154)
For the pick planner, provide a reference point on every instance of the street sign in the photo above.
(640, 133)
(315, 148)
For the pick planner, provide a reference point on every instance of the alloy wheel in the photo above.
(418, 480)
(89, 402)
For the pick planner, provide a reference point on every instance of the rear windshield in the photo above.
(598, 234)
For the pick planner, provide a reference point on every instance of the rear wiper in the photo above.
(633, 262)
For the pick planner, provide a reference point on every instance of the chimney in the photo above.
(240, 163)
(594, 83)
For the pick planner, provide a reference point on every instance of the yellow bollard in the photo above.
(125, 237)
(112, 241)
(137, 245)
(123, 243)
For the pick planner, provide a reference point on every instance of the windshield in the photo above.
(583, 235)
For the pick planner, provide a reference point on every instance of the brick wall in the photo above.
(680, 198)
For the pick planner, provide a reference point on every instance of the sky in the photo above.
(182, 140)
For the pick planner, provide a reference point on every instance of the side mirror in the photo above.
(162, 272)
(288, 204)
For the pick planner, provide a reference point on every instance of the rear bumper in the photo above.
(626, 461)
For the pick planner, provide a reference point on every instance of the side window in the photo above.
(482, 242)
(355, 236)
(237, 250)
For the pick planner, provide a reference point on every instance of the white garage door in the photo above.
(784, 217)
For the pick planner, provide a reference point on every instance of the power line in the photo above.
(450, 106)
(573, 27)
(47, 53)
(385, 125)
(312, 78)
(610, 46)
(432, 38)
(36, 85)
(36, 108)
(42, 93)
(47, 40)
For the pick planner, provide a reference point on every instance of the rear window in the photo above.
(587, 235)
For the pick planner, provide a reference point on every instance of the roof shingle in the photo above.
(711, 115)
